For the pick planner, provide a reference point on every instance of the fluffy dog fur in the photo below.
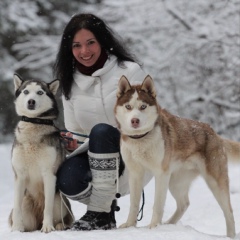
(174, 149)
(36, 155)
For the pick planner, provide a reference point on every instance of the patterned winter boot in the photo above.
(101, 207)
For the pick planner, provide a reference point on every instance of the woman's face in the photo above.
(85, 47)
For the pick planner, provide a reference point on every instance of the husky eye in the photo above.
(26, 92)
(143, 107)
(40, 92)
(128, 107)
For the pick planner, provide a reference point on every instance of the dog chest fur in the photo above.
(148, 152)
(32, 158)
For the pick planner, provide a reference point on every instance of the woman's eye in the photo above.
(143, 107)
(76, 45)
(91, 42)
(26, 92)
(128, 107)
(40, 92)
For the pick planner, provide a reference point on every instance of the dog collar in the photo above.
(37, 120)
(139, 136)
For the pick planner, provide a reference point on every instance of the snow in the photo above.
(202, 221)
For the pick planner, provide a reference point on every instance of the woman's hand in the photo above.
(69, 142)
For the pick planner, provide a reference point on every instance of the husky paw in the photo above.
(59, 227)
(127, 224)
(47, 228)
(18, 227)
(152, 225)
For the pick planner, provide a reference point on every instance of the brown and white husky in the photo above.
(174, 149)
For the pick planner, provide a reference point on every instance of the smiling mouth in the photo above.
(86, 58)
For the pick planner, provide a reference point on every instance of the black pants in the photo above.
(74, 174)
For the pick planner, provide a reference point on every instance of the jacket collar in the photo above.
(84, 82)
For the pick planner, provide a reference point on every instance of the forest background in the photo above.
(190, 48)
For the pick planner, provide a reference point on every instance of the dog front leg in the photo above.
(161, 187)
(17, 219)
(136, 186)
(49, 191)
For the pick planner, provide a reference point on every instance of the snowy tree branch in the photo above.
(177, 15)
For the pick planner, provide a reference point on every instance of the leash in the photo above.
(118, 194)
(77, 134)
(62, 201)
(141, 209)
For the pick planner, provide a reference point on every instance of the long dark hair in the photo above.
(64, 66)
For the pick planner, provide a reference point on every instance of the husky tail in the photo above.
(233, 150)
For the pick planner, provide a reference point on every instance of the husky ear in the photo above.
(53, 86)
(148, 86)
(17, 81)
(123, 86)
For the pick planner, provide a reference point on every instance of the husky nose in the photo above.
(31, 104)
(135, 122)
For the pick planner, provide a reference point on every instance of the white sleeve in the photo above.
(70, 121)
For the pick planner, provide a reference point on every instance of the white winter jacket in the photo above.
(93, 98)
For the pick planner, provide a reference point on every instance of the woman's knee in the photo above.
(74, 175)
(102, 130)
(104, 138)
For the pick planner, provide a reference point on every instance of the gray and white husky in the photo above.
(36, 155)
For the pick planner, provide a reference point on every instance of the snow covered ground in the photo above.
(202, 221)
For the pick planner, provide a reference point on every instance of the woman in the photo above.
(89, 64)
